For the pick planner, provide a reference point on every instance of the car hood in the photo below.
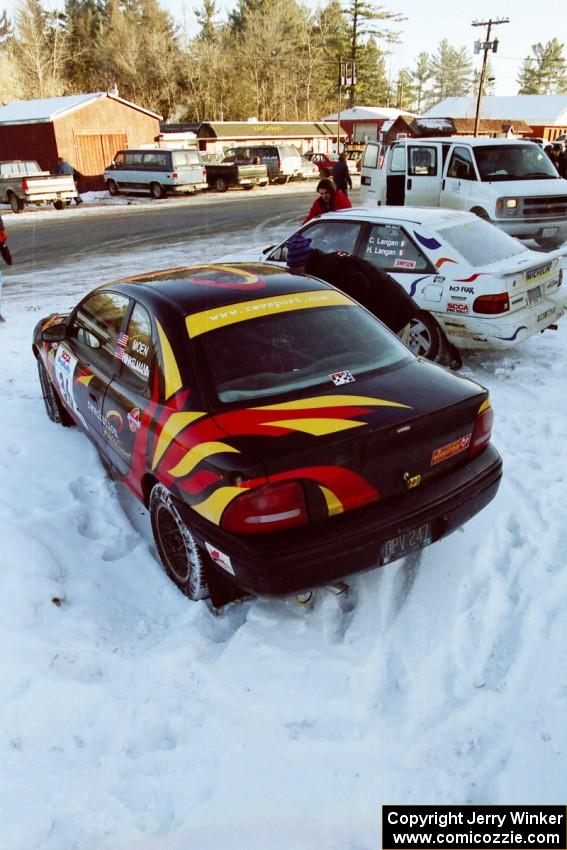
(528, 188)
(368, 437)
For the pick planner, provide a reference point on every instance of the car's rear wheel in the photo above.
(16, 204)
(221, 185)
(157, 191)
(183, 559)
(112, 187)
(60, 205)
(425, 336)
(53, 405)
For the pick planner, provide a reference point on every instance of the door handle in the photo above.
(442, 184)
(409, 183)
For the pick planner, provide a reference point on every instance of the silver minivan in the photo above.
(159, 172)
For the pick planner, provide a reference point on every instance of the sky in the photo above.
(133, 718)
(429, 22)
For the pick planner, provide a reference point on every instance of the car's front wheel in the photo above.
(112, 187)
(549, 243)
(182, 558)
(425, 336)
(53, 405)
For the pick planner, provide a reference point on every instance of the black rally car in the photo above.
(280, 435)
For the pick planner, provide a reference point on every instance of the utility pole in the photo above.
(485, 46)
(347, 77)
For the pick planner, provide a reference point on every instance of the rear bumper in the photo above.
(502, 331)
(321, 553)
(186, 187)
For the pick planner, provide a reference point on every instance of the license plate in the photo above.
(534, 294)
(549, 231)
(403, 544)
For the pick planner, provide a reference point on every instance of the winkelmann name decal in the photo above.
(474, 826)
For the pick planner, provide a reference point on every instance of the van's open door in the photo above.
(423, 174)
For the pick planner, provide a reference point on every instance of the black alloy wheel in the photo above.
(183, 559)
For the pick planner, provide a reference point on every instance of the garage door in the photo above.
(96, 150)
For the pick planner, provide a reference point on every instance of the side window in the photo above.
(327, 237)
(155, 160)
(138, 351)
(398, 160)
(390, 249)
(133, 159)
(461, 165)
(422, 161)
(370, 158)
(95, 329)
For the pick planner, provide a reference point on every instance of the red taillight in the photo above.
(24, 185)
(279, 164)
(482, 430)
(174, 176)
(499, 303)
(269, 508)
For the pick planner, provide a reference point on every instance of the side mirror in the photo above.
(267, 250)
(55, 333)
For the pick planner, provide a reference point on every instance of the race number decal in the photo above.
(65, 365)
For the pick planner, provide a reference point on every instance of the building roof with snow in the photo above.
(534, 109)
(368, 113)
(45, 110)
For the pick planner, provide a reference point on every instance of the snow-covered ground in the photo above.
(133, 719)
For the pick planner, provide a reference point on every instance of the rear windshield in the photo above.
(480, 243)
(513, 162)
(185, 159)
(293, 351)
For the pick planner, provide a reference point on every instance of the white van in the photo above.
(159, 172)
(509, 182)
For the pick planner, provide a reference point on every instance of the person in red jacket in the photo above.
(329, 199)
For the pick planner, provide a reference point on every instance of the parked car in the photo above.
(325, 162)
(24, 182)
(282, 161)
(319, 448)
(222, 175)
(486, 289)
(157, 171)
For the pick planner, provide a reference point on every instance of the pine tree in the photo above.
(451, 72)
(421, 75)
(546, 71)
(366, 19)
(206, 20)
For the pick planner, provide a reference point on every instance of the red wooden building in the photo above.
(84, 129)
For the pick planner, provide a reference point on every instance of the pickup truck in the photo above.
(221, 175)
(23, 182)
(509, 182)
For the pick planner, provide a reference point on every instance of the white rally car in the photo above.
(485, 288)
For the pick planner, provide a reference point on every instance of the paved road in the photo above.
(49, 239)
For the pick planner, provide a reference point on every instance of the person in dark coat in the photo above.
(341, 174)
(376, 290)
(64, 167)
(329, 199)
